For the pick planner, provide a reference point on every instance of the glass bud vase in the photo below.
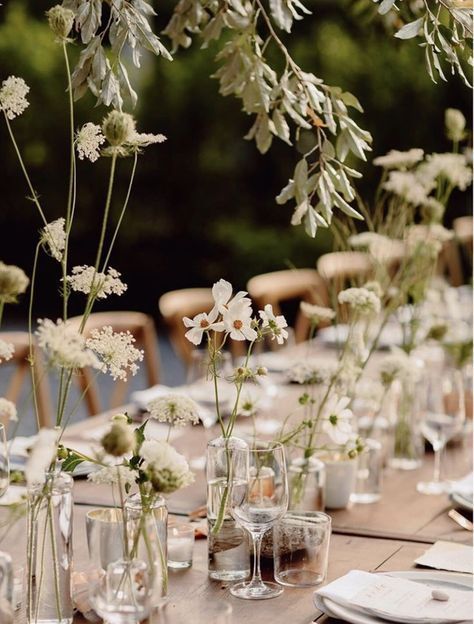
(147, 527)
(408, 444)
(306, 479)
(228, 545)
(49, 551)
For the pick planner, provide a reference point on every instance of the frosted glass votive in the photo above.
(180, 545)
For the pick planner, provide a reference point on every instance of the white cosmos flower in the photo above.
(7, 410)
(13, 96)
(41, 456)
(64, 345)
(200, 324)
(6, 351)
(84, 279)
(88, 141)
(399, 160)
(117, 354)
(316, 313)
(361, 300)
(337, 419)
(113, 475)
(237, 320)
(275, 324)
(222, 294)
(53, 237)
(175, 409)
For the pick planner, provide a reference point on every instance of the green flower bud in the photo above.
(63, 453)
(118, 128)
(119, 440)
(455, 123)
(13, 282)
(120, 418)
(60, 21)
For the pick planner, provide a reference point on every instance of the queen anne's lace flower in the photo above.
(88, 141)
(361, 300)
(53, 237)
(41, 456)
(399, 365)
(435, 232)
(7, 410)
(399, 160)
(116, 352)
(174, 409)
(84, 279)
(6, 351)
(337, 419)
(13, 96)
(274, 325)
(409, 186)
(167, 469)
(310, 373)
(452, 167)
(113, 475)
(64, 345)
(315, 313)
(13, 282)
(144, 139)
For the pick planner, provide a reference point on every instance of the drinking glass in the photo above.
(443, 417)
(4, 462)
(257, 503)
(180, 545)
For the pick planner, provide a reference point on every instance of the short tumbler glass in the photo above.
(301, 547)
(180, 545)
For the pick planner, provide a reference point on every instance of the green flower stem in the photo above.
(30, 336)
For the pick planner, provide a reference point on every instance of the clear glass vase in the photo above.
(146, 520)
(306, 480)
(408, 444)
(49, 551)
(228, 544)
(368, 485)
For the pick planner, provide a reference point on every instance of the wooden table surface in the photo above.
(387, 535)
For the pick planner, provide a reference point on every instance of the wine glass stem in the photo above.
(257, 547)
(438, 449)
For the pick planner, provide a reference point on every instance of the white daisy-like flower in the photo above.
(168, 470)
(175, 409)
(275, 325)
(88, 141)
(452, 167)
(7, 410)
(361, 300)
(64, 345)
(85, 279)
(315, 313)
(13, 96)
(399, 365)
(200, 324)
(409, 186)
(6, 351)
(113, 475)
(116, 352)
(53, 237)
(399, 160)
(41, 456)
(247, 406)
(222, 294)
(237, 320)
(337, 419)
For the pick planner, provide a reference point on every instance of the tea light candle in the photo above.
(180, 545)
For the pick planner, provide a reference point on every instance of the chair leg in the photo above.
(88, 387)
(150, 342)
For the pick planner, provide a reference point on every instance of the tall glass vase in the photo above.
(228, 544)
(49, 551)
(408, 444)
(146, 520)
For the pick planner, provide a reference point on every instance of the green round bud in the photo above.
(455, 123)
(60, 21)
(120, 418)
(119, 440)
(118, 128)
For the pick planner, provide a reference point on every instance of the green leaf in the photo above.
(71, 462)
(410, 30)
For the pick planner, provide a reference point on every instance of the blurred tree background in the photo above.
(203, 203)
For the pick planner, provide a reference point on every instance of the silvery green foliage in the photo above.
(126, 27)
(283, 104)
(446, 27)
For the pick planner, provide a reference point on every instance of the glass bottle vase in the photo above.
(49, 551)
(408, 444)
(228, 545)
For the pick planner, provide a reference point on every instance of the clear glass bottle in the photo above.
(306, 479)
(408, 443)
(368, 484)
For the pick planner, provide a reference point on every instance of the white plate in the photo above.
(431, 578)
(462, 501)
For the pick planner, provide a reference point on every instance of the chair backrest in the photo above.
(142, 328)
(20, 361)
(176, 304)
(463, 230)
(279, 286)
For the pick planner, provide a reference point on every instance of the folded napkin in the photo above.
(448, 556)
(395, 599)
(463, 486)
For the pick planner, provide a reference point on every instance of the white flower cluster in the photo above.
(64, 345)
(53, 237)
(175, 409)
(337, 419)
(88, 141)
(317, 314)
(85, 279)
(41, 456)
(233, 315)
(452, 167)
(116, 352)
(401, 366)
(409, 187)
(399, 160)
(13, 96)
(168, 470)
(311, 373)
(144, 139)
(7, 410)
(361, 300)
(113, 475)
(433, 232)
(6, 351)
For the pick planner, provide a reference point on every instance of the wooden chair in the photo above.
(142, 328)
(176, 304)
(20, 362)
(279, 286)
(463, 230)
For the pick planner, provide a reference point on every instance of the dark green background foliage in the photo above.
(203, 203)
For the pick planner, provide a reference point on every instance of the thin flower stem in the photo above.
(2, 306)
(31, 355)
(34, 197)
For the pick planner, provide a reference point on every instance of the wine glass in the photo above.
(4, 462)
(443, 417)
(257, 503)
